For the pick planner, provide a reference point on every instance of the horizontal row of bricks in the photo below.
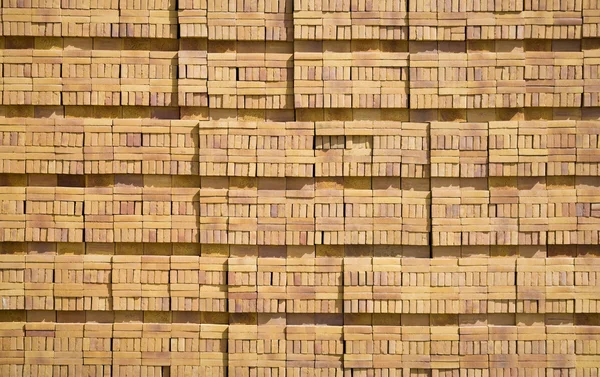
(286, 6)
(300, 149)
(299, 285)
(328, 214)
(321, 79)
(274, 348)
(278, 27)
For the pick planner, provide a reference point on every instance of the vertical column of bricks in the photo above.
(214, 349)
(97, 348)
(68, 283)
(272, 282)
(127, 348)
(185, 349)
(192, 18)
(126, 285)
(68, 146)
(104, 18)
(299, 149)
(271, 212)
(40, 156)
(98, 146)
(561, 148)
(337, 84)
(387, 298)
(242, 205)
(357, 155)
(424, 73)
(586, 142)
(502, 285)
(560, 285)
(135, 77)
(452, 77)
(12, 226)
(242, 349)
(444, 294)
(387, 149)
(12, 282)
(18, 79)
(163, 75)
(531, 338)
(184, 285)
(39, 282)
(300, 211)
(242, 288)
(330, 143)
(97, 280)
(183, 148)
(185, 212)
(241, 149)
(300, 359)
(308, 74)
(13, 348)
(562, 218)
(77, 73)
(156, 210)
(585, 277)
(476, 355)
(213, 143)
(503, 152)
(192, 73)
(586, 224)
(39, 348)
(13, 146)
(46, 77)
(98, 213)
(222, 75)
(271, 345)
(155, 348)
(416, 208)
(445, 349)
(329, 208)
(358, 285)
(531, 287)
(510, 67)
(214, 283)
(533, 207)
(301, 293)
(472, 283)
(127, 140)
(68, 349)
(270, 149)
(358, 210)
(128, 219)
(155, 284)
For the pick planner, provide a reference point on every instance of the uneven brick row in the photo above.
(276, 281)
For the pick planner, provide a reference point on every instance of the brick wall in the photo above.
(299, 188)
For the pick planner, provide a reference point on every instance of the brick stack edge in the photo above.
(300, 188)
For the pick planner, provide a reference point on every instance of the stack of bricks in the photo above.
(394, 188)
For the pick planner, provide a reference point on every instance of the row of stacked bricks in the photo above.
(272, 345)
(305, 74)
(285, 20)
(300, 280)
(74, 147)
